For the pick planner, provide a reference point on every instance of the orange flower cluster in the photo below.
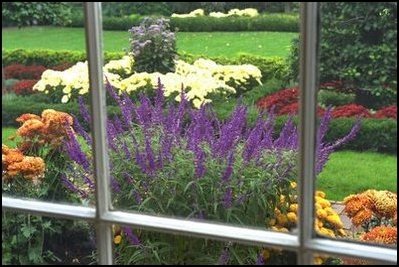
(14, 163)
(50, 128)
(381, 235)
(361, 208)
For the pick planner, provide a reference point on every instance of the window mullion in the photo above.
(307, 84)
(93, 23)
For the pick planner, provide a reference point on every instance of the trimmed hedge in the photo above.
(269, 66)
(18, 105)
(265, 22)
(49, 58)
(375, 134)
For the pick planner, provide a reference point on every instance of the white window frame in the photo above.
(305, 244)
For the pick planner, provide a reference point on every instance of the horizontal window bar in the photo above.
(43, 208)
(345, 248)
(205, 230)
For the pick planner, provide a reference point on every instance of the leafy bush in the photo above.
(365, 36)
(49, 58)
(333, 98)
(153, 46)
(188, 164)
(36, 103)
(35, 13)
(266, 22)
(375, 134)
(270, 67)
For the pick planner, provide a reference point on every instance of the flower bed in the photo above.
(285, 102)
(179, 161)
(200, 80)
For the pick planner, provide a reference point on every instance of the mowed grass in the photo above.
(198, 43)
(347, 172)
(351, 172)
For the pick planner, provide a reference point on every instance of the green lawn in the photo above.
(346, 172)
(199, 43)
(350, 172)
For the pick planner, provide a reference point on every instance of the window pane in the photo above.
(31, 239)
(360, 177)
(41, 103)
(171, 157)
(133, 246)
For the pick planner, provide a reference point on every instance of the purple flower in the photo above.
(224, 257)
(260, 260)
(84, 111)
(229, 169)
(79, 130)
(74, 150)
(228, 198)
(133, 239)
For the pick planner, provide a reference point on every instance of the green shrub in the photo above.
(328, 97)
(153, 46)
(375, 134)
(15, 106)
(358, 45)
(35, 13)
(266, 22)
(271, 67)
(49, 58)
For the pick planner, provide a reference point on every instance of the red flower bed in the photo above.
(18, 71)
(294, 107)
(24, 87)
(351, 110)
(279, 99)
(62, 67)
(387, 112)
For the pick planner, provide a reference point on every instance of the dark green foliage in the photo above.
(49, 58)
(153, 46)
(18, 105)
(328, 97)
(35, 13)
(358, 45)
(269, 66)
(265, 22)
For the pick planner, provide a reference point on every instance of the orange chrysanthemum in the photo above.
(363, 216)
(355, 203)
(14, 163)
(27, 116)
(50, 128)
(382, 235)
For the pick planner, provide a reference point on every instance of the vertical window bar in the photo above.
(93, 23)
(307, 85)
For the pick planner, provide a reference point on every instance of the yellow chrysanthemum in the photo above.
(291, 217)
(117, 239)
(335, 220)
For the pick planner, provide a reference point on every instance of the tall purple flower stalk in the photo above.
(158, 132)
(133, 239)
(224, 257)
